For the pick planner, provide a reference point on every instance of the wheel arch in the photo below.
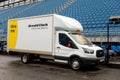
(74, 56)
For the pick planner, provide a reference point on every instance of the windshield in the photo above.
(80, 39)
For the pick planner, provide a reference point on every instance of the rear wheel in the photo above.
(75, 64)
(25, 58)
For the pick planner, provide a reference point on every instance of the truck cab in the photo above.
(76, 50)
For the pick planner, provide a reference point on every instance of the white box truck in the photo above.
(53, 37)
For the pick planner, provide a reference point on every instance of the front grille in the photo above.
(100, 53)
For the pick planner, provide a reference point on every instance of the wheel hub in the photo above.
(75, 65)
(24, 58)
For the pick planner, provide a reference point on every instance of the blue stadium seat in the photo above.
(114, 48)
(93, 14)
(118, 48)
(103, 47)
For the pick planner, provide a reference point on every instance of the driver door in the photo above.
(65, 46)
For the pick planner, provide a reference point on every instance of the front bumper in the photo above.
(90, 61)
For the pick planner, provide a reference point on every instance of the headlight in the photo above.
(89, 51)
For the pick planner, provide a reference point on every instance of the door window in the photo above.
(66, 41)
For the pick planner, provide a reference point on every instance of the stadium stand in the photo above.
(93, 14)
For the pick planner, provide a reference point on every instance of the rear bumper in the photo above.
(89, 61)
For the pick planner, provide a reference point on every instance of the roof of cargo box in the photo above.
(61, 22)
(66, 23)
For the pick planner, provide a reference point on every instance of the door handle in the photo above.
(58, 47)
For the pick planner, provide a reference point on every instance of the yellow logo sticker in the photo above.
(13, 33)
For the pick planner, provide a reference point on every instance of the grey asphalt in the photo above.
(11, 68)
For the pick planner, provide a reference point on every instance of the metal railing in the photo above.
(101, 36)
(13, 3)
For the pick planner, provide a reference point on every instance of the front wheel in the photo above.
(75, 64)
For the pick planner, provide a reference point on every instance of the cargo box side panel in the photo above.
(34, 34)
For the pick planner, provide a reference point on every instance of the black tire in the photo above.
(76, 64)
(25, 58)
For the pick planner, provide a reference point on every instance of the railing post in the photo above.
(107, 50)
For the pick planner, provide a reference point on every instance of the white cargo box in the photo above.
(36, 34)
(31, 35)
